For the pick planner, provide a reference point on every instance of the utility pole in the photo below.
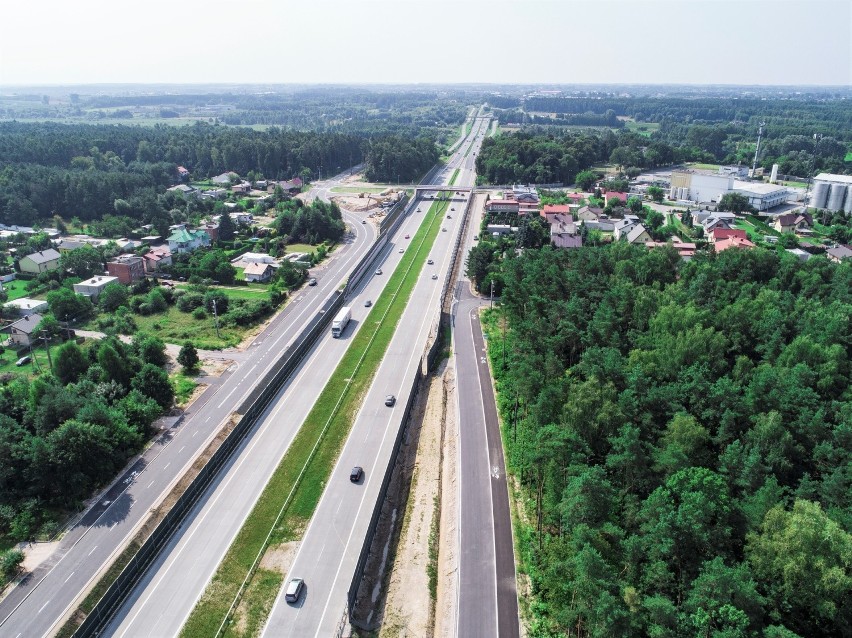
(47, 347)
(216, 319)
(491, 302)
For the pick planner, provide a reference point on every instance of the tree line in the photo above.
(681, 436)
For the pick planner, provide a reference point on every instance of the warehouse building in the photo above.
(832, 192)
(708, 187)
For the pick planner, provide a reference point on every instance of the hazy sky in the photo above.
(402, 41)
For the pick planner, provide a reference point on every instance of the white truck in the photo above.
(338, 324)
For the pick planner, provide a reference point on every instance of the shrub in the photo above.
(199, 314)
(189, 301)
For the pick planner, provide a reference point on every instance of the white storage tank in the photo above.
(774, 175)
(836, 196)
(819, 196)
(847, 207)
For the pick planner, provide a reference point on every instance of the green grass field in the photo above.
(704, 167)
(174, 326)
(15, 289)
(643, 128)
(291, 495)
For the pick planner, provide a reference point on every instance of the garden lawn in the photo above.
(291, 495)
(16, 289)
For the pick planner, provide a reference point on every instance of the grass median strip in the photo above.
(240, 595)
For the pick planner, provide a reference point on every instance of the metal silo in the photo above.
(847, 207)
(820, 195)
(836, 196)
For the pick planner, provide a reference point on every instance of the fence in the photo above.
(254, 406)
(431, 352)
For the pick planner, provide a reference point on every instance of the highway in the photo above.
(487, 604)
(328, 554)
(38, 606)
(161, 603)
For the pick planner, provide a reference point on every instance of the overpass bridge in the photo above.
(440, 191)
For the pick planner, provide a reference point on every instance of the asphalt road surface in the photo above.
(161, 603)
(487, 603)
(329, 552)
(37, 606)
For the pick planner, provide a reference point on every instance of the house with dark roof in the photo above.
(39, 262)
(550, 211)
(22, 332)
(589, 213)
(793, 222)
(563, 232)
(838, 253)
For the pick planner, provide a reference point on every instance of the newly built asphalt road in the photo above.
(37, 606)
(487, 605)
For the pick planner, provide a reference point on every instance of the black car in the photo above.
(356, 474)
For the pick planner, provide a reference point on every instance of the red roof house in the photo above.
(727, 233)
(550, 210)
(732, 242)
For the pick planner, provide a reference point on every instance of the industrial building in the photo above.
(832, 192)
(705, 186)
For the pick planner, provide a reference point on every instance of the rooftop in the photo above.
(831, 177)
(761, 188)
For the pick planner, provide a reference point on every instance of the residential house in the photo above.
(528, 209)
(793, 222)
(293, 186)
(732, 242)
(24, 306)
(22, 332)
(685, 249)
(638, 235)
(212, 230)
(725, 233)
(621, 227)
(563, 232)
(838, 253)
(184, 189)
(616, 197)
(589, 213)
(523, 193)
(604, 224)
(215, 193)
(242, 218)
(499, 229)
(718, 220)
(186, 241)
(803, 255)
(40, 262)
(224, 179)
(156, 258)
(550, 211)
(67, 245)
(575, 198)
(183, 172)
(242, 188)
(128, 268)
(93, 287)
(258, 272)
(501, 206)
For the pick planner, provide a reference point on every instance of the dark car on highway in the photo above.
(390, 400)
(356, 474)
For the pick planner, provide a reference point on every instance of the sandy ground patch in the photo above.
(408, 606)
(445, 605)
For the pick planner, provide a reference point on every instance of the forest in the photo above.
(63, 434)
(681, 434)
(89, 171)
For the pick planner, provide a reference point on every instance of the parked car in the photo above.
(356, 474)
(294, 590)
(390, 400)
(23, 361)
